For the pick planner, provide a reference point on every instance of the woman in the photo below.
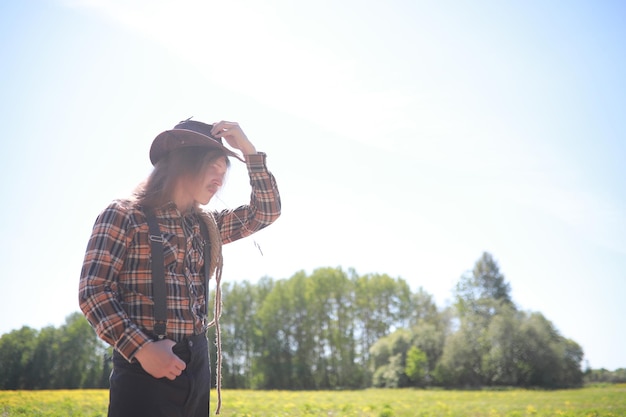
(160, 365)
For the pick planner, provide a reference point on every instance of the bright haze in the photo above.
(407, 138)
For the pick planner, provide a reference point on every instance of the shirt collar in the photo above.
(170, 210)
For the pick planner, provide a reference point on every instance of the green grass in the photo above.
(598, 401)
(58, 403)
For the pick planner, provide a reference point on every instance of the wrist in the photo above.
(248, 149)
(141, 351)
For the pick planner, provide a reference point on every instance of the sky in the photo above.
(407, 138)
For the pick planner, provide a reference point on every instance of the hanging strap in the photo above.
(204, 230)
(159, 293)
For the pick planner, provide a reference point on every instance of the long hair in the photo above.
(188, 162)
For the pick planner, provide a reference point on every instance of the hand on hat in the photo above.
(231, 132)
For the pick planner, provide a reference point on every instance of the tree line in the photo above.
(334, 329)
(70, 356)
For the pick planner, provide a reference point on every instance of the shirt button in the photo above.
(190, 343)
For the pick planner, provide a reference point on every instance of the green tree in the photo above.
(604, 375)
(275, 357)
(429, 329)
(79, 356)
(547, 358)
(239, 325)
(416, 365)
(572, 355)
(483, 291)
(304, 332)
(502, 359)
(480, 296)
(44, 359)
(16, 352)
(382, 304)
(430, 339)
(314, 329)
(331, 298)
(460, 362)
(422, 309)
(389, 355)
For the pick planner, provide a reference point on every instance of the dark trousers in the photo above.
(134, 393)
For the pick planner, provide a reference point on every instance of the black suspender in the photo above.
(159, 292)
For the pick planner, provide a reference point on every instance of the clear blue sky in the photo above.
(407, 138)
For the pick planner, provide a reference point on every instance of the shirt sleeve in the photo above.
(99, 287)
(263, 209)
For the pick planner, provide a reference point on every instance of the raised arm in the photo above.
(264, 207)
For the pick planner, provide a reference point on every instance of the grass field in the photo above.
(599, 401)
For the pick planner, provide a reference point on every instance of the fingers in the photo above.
(234, 136)
(174, 366)
(173, 374)
(177, 366)
(159, 361)
(220, 129)
(175, 369)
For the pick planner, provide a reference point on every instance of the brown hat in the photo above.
(186, 134)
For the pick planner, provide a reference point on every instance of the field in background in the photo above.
(599, 401)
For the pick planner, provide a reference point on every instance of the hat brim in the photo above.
(169, 140)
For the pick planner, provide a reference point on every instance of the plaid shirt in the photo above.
(115, 291)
